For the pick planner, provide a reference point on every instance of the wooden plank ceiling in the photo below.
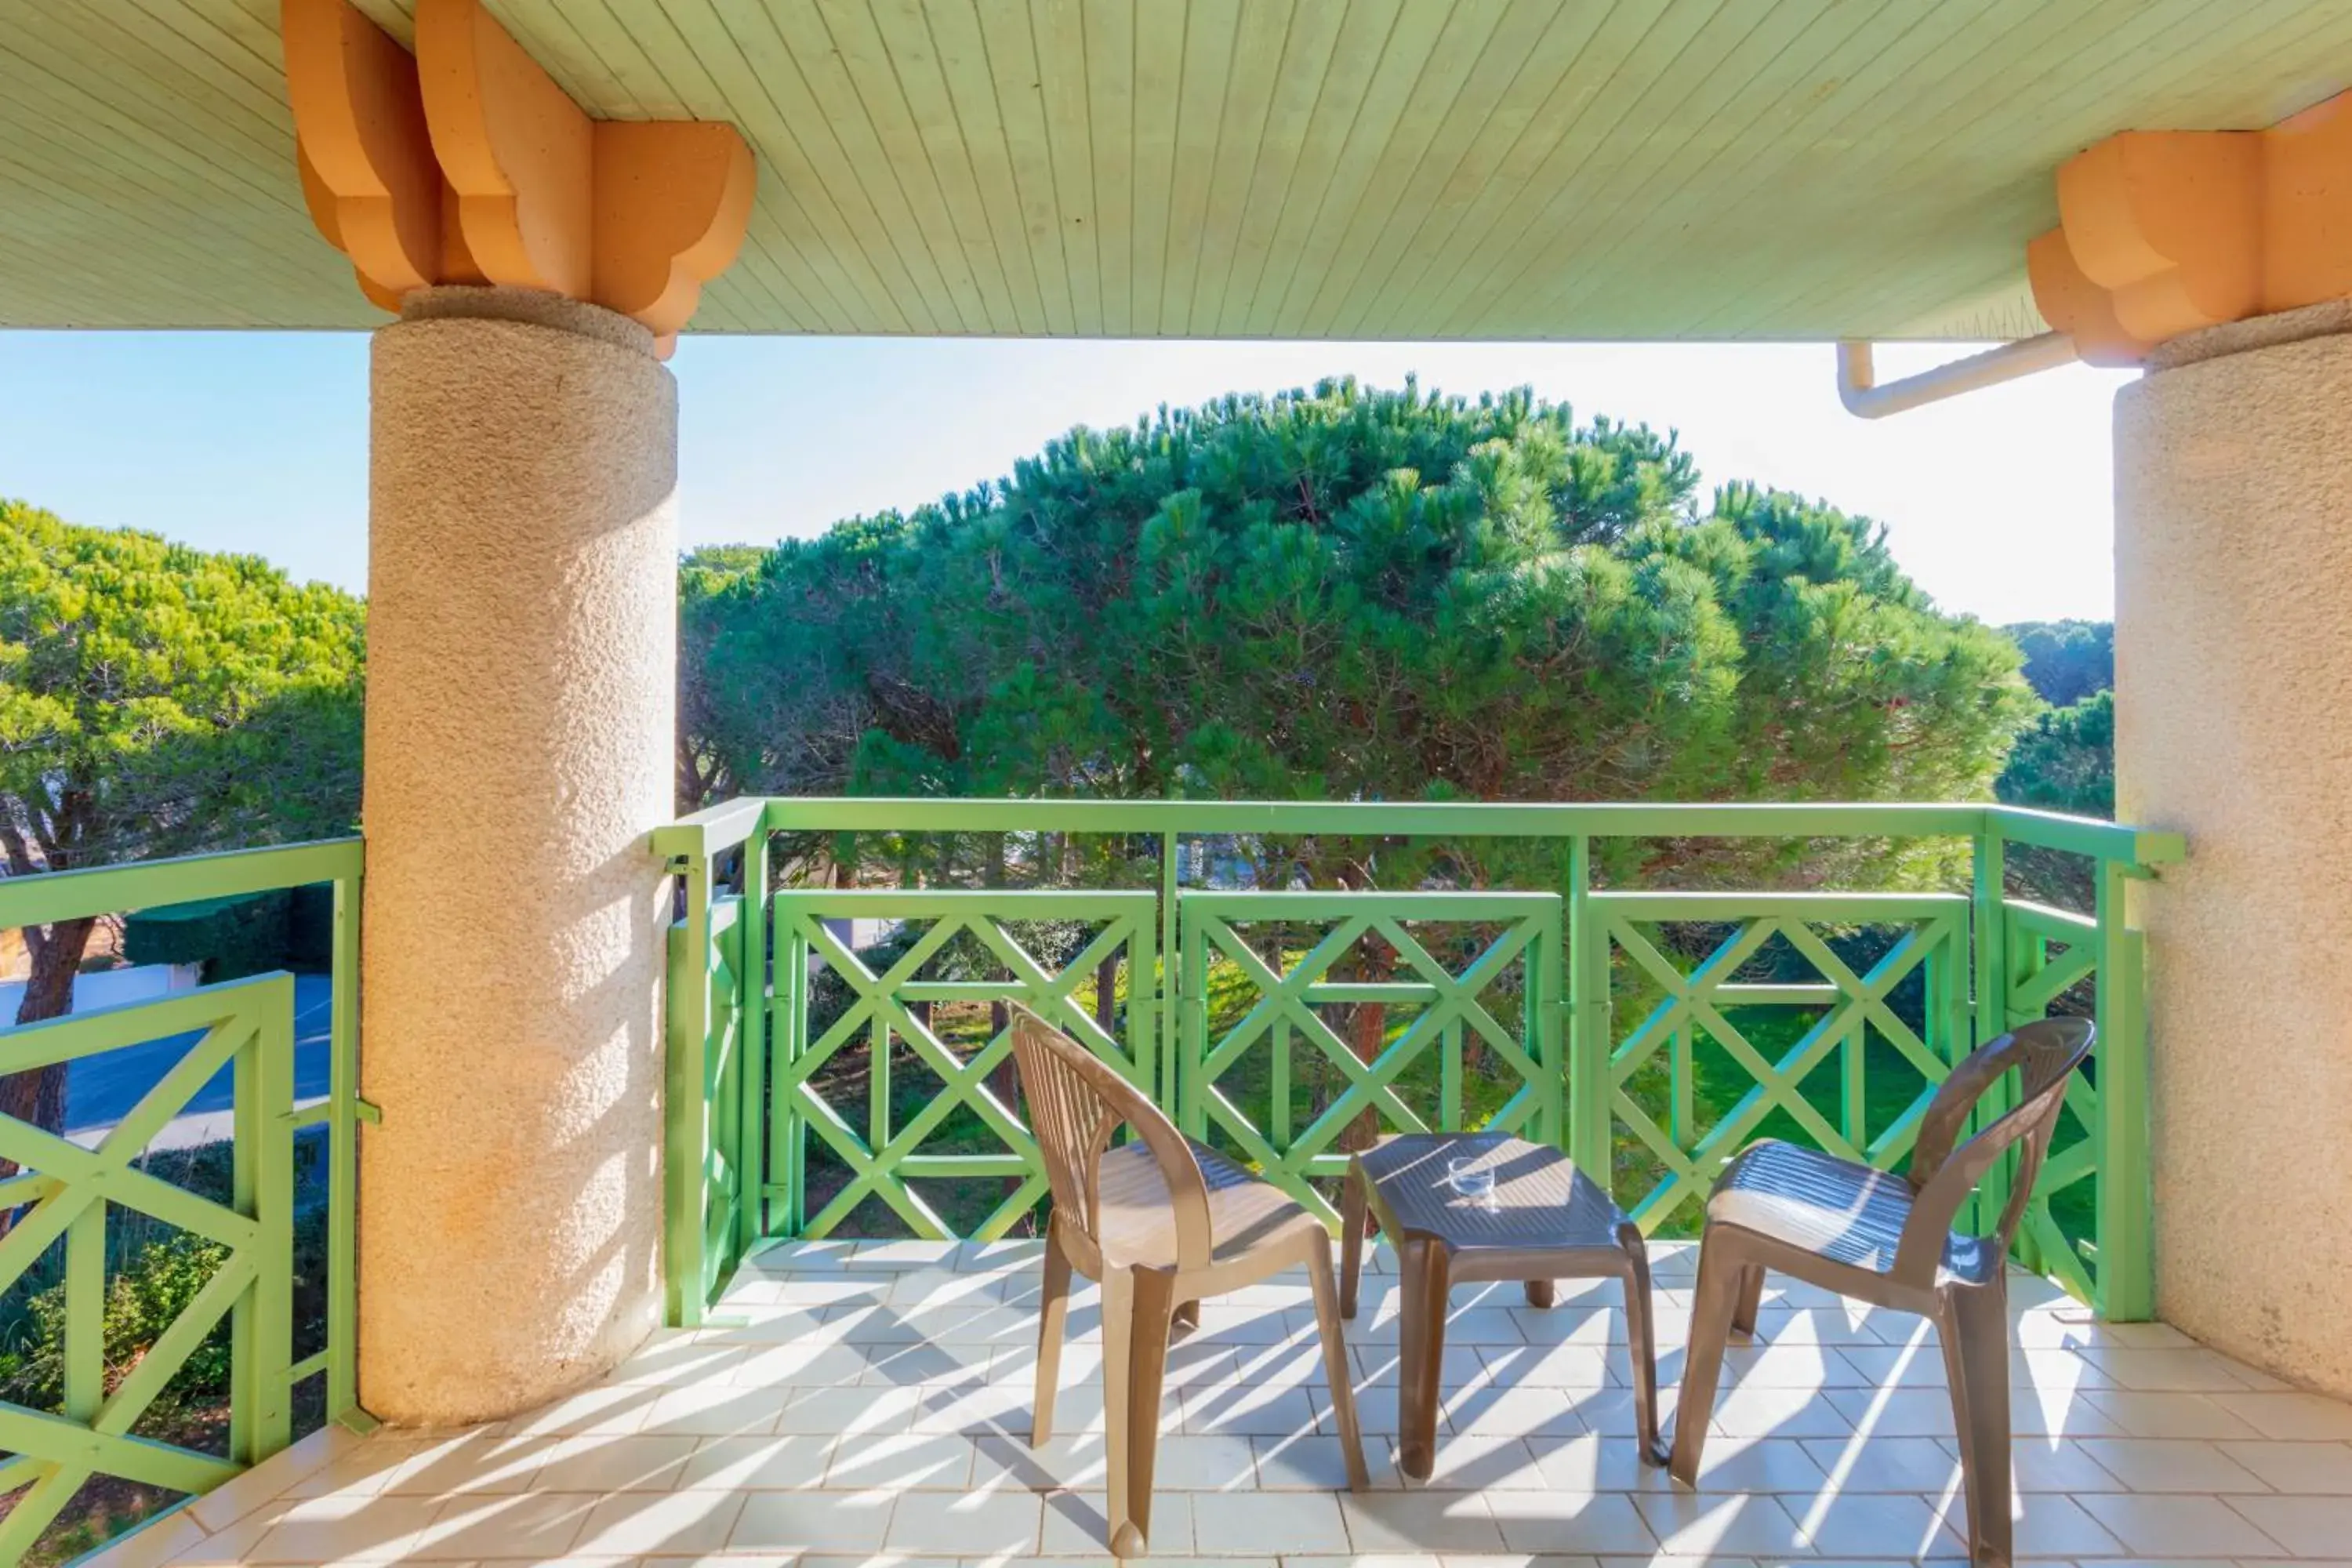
(1401, 168)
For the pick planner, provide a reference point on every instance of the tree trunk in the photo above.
(38, 1097)
(1106, 999)
(1368, 1028)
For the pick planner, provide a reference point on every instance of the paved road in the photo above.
(100, 1089)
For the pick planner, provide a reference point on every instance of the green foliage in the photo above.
(156, 698)
(1349, 594)
(2066, 761)
(2066, 661)
(145, 1298)
(285, 928)
(230, 937)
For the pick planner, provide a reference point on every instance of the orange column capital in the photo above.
(2166, 232)
(465, 163)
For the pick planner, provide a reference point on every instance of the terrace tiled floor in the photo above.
(870, 1403)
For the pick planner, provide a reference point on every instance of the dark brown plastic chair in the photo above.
(1160, 1222)
(1888, 1239)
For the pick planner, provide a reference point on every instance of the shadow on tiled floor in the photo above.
(870, 1403)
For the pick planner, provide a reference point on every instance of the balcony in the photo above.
(846, 1372)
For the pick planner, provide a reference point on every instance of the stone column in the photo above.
(2233, 685)
(521, 722)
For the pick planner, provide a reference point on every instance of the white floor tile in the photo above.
(975, 1525)
(1570, 1523)
(812, 1521)
(2171, 1526)
(1419, 1522)
(1284, 1523)
(2322, 1469)
(647, 1524)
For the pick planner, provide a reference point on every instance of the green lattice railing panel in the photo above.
(891, 1027)
(1770, 966)
(706, 1187)
(1386, 949)
(1839, 1044)
(74, 1194)
(2054, 962)
(82, 1209)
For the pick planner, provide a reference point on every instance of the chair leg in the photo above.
(1717, 1297)
(1751, 1300)
(1974, 1330)
(1642, 1340)
(1188, 1313)
(1138, 1305)
(1352, 1209)
(1053, 1314)
(1335, 1360)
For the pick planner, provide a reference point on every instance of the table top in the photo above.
(1541, 1201)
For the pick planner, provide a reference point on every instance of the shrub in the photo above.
(146, 1296)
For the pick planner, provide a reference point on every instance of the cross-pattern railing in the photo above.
(73, 1203)
(1846, 1014)
(893, 1007)
(1648, 1031)
(1450, 1015)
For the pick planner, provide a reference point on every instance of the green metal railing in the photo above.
(1626, 1000)
(67, 1198)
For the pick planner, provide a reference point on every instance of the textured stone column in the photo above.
(2233, 685)
(520, 714)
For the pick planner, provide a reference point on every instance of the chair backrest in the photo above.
(1945, 1168)
(1075, 1103)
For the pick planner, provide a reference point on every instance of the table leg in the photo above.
(1420, 1343)
(1541, 1293)
(1642, 1340)
(1351, 1236)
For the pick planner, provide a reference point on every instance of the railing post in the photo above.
(1150, 1046)
(1194, 990)
(788, 1151)
(261, 1332)
(2124, 1274)
(752, 998)
(1172, 1091)
(1992, 991)
(1546, 1016)
(687, 1016)
(1588, 1022)
(344, 1155)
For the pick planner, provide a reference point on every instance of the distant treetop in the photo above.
(2066, 661)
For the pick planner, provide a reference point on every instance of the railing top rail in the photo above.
(711, 830)
(1380, 818)
(1284, 904)
(2088, 836)
(1036, 902)
(1647, 903)
(721, 827)
(51, 896)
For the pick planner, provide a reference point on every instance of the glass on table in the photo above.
(1472, 1178)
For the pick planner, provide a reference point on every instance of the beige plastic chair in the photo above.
(1888, 1239)
(1160, 1222)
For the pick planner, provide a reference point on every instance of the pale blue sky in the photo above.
(1999, 503)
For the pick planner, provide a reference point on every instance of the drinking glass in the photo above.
(1473, 1179)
